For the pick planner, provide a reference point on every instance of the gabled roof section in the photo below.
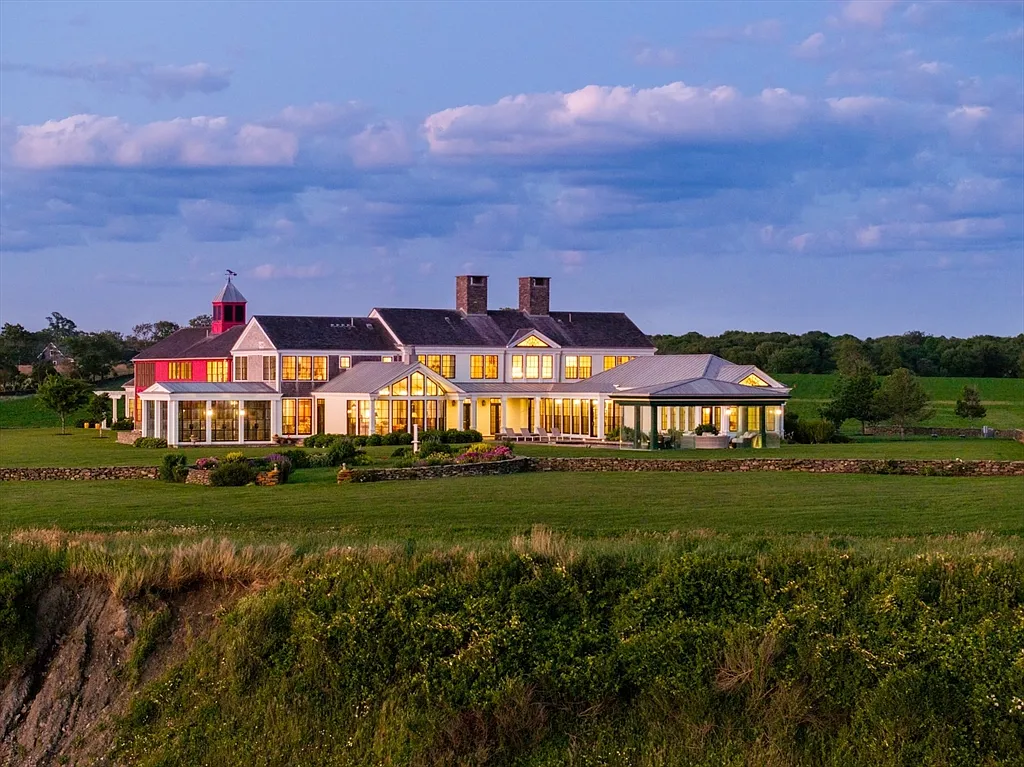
(193, 343)
(371, 377)
(326, 333)
(449, 327)
(529, 338)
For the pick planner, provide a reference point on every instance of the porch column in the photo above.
(275, 417)
(535, 404)
(241, 420)
(373, 415)
(209, 421)
(742, 420)
(780, 421)
(172, 423)
(504, 414)
(472, 412)
(654, 428)
(637, 426)
(600, 418)
(145, 420)
(764, 440)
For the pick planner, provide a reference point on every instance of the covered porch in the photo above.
(211, 413)
(667, 423)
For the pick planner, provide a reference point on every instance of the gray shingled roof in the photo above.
(371, 377)
(193, 343)
(449, 327)
(204, 387)
(229, 294)
(326, 333)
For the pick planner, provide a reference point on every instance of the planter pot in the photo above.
(712, 441)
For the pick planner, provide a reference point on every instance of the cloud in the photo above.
(156, 81)
(1012, 37)
(598, 117)
(92, 140)
(645, 55)
(763, 31)
(811, 47)
(867, 13)
(289, 272)
(382, 145)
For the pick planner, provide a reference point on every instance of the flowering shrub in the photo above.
(237, 455)
(282, 463)
(495, 453)
(207, 463)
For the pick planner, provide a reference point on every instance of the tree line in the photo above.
(95, 355)
(818, 352)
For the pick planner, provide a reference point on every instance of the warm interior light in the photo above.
(242, 411)
(209, 412)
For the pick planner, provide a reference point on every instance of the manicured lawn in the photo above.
(26, 412)
(1002, 397)
(496, 507)
(45, 447)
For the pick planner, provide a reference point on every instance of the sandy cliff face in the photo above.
(59, 709)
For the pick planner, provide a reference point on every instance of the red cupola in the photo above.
(228, 307)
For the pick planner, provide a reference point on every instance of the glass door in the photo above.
(496, 418)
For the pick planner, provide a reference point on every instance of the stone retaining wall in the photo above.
(813, 465)
(102, 472)
(198, 477)
(513, 466)
(943, 431)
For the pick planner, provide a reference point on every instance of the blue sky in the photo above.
(843, 166)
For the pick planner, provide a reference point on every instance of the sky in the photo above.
(853, 167)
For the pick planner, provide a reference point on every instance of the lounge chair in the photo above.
(543, 436)
(527, 435)
(511, 434)
(556, 434)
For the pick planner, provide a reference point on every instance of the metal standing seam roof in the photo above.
(706, 387)
(206, 387)
(229, 294)
(662, 370)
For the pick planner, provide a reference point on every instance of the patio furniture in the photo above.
(543, 436)
(511, 434)
(527, 435)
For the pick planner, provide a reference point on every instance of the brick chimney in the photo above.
(535, 295)
(471, 294)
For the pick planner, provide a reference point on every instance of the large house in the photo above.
(574, 375)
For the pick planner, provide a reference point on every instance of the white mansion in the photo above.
(560, 375)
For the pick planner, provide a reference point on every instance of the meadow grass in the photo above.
(1003, 398)
(82, 447)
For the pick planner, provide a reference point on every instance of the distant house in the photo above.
(52, 353)
(576, 375)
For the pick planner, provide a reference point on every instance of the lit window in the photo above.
(433, 389)
(288, 416)
(344, 362)
(585, 366)
(417, 384)
(387, 359)
(319, 368)
(547, 368)
(572, 366)
(448, 366)
(476, 366)
(179, 371)
(305, 368)
(517, 366)
(624, 360)
(609, 363)
(532, 341)
(305, 416)
(734, 419)
(532, 366)
(400, 388)
(386, 391)
(753, 380)
(491, 369)
(217, 371)
(241, 368)
(288, 368)
(269, 368)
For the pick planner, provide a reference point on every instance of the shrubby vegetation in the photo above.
(817, 352)
(552, 655)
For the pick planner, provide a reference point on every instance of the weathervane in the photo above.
(231, 274)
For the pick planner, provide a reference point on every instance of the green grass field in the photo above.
(1002, 397)
(46, 447)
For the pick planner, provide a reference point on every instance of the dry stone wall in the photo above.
(512, 466)
(74, 474)
(944, 431)
(813, 465)
(128, 437)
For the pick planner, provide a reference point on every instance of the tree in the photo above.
(969, 405)
(148, 333)
(901, 400)
(98, 407)
(96, 354)
(849, 353)
(63, 396)
(18, 346)
(60, 327)
(200, 321)
(853, 396)
(42, 370)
